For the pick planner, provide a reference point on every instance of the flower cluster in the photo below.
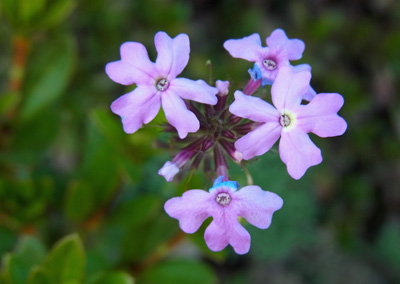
(215, 130)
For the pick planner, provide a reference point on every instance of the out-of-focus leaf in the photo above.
(53, 71)
(8, 101)
(137, 211)
(7, 239)
(59, 10)
(80, 200)
(109, 127)
(38, 275)
(389, 244)
(17, 265)
(99, 165)
(142, 240)
(112, 278)
(30, 9)
(65, 263)
(183, 271)
(41, 130)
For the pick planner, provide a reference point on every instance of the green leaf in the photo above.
(57, 13)
(38, 275)
(112, 278)
(142, 240)
(137, 211)
(30, 9)
(8, 102)
(53, 68)
(66, 261)
(17, 265)
(182, 271)
(79, 193)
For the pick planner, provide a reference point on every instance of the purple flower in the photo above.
(290, 121)
(224, 203)
(269, 60)
(157, 85)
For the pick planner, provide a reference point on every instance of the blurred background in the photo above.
(81, 201)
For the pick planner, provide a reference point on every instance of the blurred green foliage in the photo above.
(81, 201)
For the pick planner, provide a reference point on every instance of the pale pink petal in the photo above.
(256, 205)
(172, 54)
(137, 107)
(126, 74)
(168, 171)
(320, 115)
(289, 88)
(301, 67)
(253, 108)
(178, 115)
(134, 67)
(310, 94)
(198, 91)
(248, 48)
(218, 235)
(293, 47)
(223, 87)
(191, 209)
(136, 55)
(259, 140)
(298, 152)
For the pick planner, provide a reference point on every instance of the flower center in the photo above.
(269, 64)
(223, 198)
(285, 120)
(162, 84)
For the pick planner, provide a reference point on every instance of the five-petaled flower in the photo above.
(224, 203)
(269, 60)
(157, 85)
(290, 120)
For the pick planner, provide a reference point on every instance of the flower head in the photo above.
(157, 85)
(224, 203)
(214, 141)
(269, 60)
(289, 120)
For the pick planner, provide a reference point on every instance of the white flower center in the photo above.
(162, 84)
(285, 120)
(269, 64)
(223, 198)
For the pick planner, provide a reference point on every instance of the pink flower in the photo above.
(290, 121)
(224, 203)
(269, 60)
(157, 85)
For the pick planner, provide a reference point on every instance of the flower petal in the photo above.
(134, 67)
(253, 108)
(289, 88)
(223, 87)
(168, 171)
(298, 152)
(259, 140)
(293, 47)
(320, 115)
(247, 48)
(198, 91)
(137, 107)
(256, 205)
(124, 73)
(218, 235)
(191, 209)
(178, 115)
(172, 54)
